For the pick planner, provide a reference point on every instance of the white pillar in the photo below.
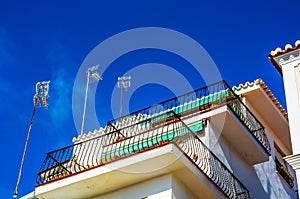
(290, 64)
(293, 105)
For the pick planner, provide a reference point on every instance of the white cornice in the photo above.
(294, 161)
(291, 57)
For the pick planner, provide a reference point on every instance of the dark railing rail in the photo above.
(284, 173)
(97, 151)
(194, 149)
(136, 138)
(206, 96)
(250, 122)
(203, 99)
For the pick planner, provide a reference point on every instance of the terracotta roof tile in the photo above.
(278, 51)
(262, 84)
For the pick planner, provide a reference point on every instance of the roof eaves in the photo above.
(261, 84)
(278, 51)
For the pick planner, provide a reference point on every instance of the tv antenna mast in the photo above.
(39, 100)
(123, 84)
(91, 72)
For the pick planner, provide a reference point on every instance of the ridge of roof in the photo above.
(278, 51)
(262, 84)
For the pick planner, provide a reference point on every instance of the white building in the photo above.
(287, 62)
(216, 142)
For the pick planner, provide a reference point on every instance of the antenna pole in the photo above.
(91, 72)
(85, 100)
(41, 96)
(121, 101)
(25, 148)
(123, 83)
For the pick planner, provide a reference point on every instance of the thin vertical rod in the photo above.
(25, 147)
(121, 100)
(85, 100)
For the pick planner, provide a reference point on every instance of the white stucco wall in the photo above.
(163, 187)
(297, 78)
(180, 191)
(261, 180)
(154, 188)
(273, 138)
(292, 103)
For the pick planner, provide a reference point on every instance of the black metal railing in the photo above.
(194, 149)
(284, 173)
(250, 122)
(203, 99)
(136, 138)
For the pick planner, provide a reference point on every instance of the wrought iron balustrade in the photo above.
(250, 122)
(135, 138)
(194, 149)
(203, 99)
(198, 100)
(145, 135)
(284, 173)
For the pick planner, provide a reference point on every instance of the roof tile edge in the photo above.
(278, 51)
(262, 84)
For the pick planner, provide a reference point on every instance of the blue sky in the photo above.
(50, 40)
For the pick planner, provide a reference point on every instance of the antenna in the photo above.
(123, 84)
(91, 72)
(41, 95)
(40, 100)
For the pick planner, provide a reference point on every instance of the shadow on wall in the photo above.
(234, 161)
(272, 183)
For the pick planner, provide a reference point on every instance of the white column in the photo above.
(292, 95)
(293, 104)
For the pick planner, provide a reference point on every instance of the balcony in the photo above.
(284, 173)
(173, 122)
(124, 145)
(211, 98)
(225, 123)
